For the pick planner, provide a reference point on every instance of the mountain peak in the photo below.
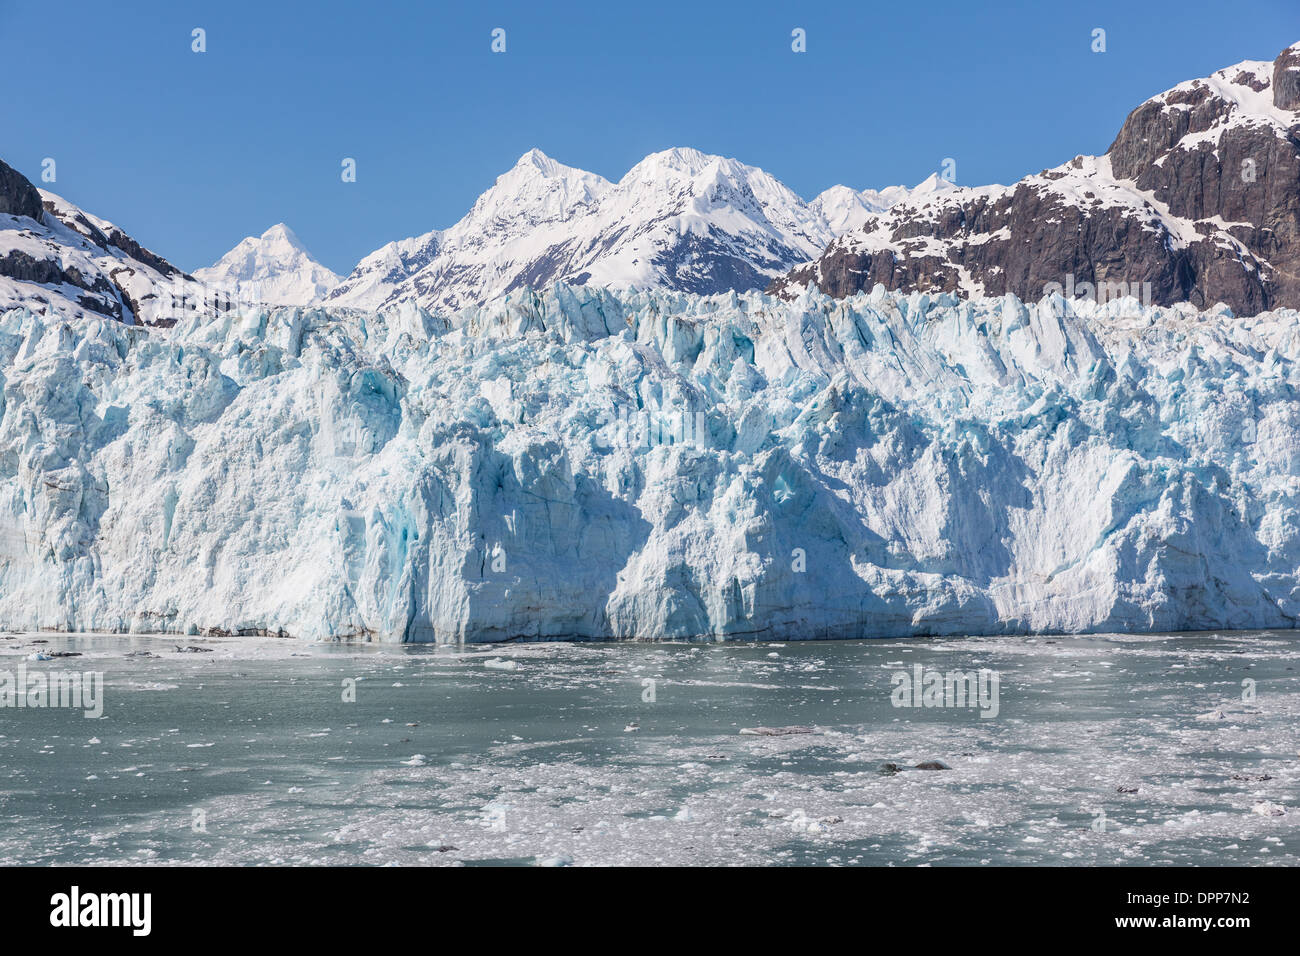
(281, 232)
(535, 159)
(684, 156)
(274, 267)
(934, 183)
(680, 159)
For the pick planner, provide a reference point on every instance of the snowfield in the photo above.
(582, 463)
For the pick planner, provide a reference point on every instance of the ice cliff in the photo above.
(579, 463)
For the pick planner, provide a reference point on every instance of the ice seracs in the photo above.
(583, 463)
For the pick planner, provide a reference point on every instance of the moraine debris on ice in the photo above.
(586, 464)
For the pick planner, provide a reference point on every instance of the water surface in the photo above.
(249, 754)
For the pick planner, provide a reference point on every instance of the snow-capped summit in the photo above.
(508, 228)
(536, 160)
(536, 189)
(274, 268)
(844, 208)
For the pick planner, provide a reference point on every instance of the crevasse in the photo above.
(580, 463)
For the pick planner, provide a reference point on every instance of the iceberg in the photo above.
(580, 463)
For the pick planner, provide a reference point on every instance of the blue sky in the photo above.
(191, 152)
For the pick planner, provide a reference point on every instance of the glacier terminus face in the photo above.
(584, 463)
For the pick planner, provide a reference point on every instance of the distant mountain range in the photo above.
(1198, 200)
(680, 219)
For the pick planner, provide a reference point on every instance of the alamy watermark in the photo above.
(1100, 292)
(928, 687)
(42, 689)
(643, 429)
(75, 909)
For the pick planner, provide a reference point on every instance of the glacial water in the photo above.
(1105, 749)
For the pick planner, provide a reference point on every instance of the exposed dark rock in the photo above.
(18, 197)
(1197, 200)
(1286, 79)
(19, 265)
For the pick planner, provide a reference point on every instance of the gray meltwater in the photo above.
(1107, 749)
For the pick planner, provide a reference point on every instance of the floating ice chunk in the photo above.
(776, 731)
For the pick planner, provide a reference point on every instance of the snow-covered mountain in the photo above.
(583, 463)
(845, 209)
(1197, 200)
(680, 219)
(55, 257)
(274, 268)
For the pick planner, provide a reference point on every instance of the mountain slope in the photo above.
(56, 257)
(274, 268)
(1198, 200)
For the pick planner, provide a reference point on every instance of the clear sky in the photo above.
(190, 152)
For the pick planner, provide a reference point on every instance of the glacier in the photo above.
(580, 463)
